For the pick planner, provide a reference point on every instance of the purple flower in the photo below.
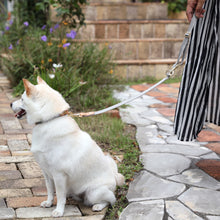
(7, 28)
(66, 45)
(10, 47)
(11, 22)
(71, 35)
(18, 41)
(56, 26)
(44, 27)
(26, 23)
(44, 38)
(51, 30)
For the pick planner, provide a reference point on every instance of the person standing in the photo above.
(199, 94)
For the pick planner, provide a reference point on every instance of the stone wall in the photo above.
(143, 40)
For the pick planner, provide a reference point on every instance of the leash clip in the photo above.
(171, 71)
(187, 35)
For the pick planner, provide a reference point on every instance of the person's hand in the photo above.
(195, 6)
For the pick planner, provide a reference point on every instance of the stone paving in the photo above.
(179, 180)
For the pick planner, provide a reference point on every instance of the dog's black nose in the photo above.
(11, 105)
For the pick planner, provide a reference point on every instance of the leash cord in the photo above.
(83, 114)
(170, 72)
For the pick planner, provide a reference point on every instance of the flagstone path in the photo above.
(180, 180)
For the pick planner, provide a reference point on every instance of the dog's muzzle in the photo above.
(20, 112)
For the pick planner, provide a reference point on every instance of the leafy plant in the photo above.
(70, 11)
(66, 82)
(173, 6)
(177, 5)
(26, 11)
(85, 67)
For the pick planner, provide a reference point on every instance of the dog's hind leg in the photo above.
(99, 198)
(50, 192)
(60, 185)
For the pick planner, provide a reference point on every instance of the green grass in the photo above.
(117, 138)
(151, 80)
(173, 80)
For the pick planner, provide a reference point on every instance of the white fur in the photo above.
(72, 163)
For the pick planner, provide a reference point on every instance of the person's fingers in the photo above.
(200, 3)
(199, 10)
(189, 12)
(190, 9)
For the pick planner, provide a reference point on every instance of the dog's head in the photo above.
(39, 102)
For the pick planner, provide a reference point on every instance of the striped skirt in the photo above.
(199, 94)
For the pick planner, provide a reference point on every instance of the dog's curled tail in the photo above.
(120, 179)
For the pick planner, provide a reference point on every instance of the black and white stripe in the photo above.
(199, 94)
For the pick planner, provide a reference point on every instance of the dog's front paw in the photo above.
(99, 207)
(57, 213)
(46, 204)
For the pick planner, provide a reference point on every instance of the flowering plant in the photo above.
(40, 47)
(75, 69)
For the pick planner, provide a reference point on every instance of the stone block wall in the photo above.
(125, 11)
(142, 38)
(133, 29)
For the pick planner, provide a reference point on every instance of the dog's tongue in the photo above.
(20, 113)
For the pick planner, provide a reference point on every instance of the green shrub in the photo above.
(70, 11)
(173, 6)
(64, 82)
(28, 11)
(177, 5)
(83, 79)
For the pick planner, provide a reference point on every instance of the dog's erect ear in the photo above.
(40, 80)
(29, 87)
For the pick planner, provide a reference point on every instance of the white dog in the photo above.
(72, 163)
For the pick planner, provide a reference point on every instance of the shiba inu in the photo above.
(72, 163)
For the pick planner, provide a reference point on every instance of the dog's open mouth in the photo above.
(20, 114)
